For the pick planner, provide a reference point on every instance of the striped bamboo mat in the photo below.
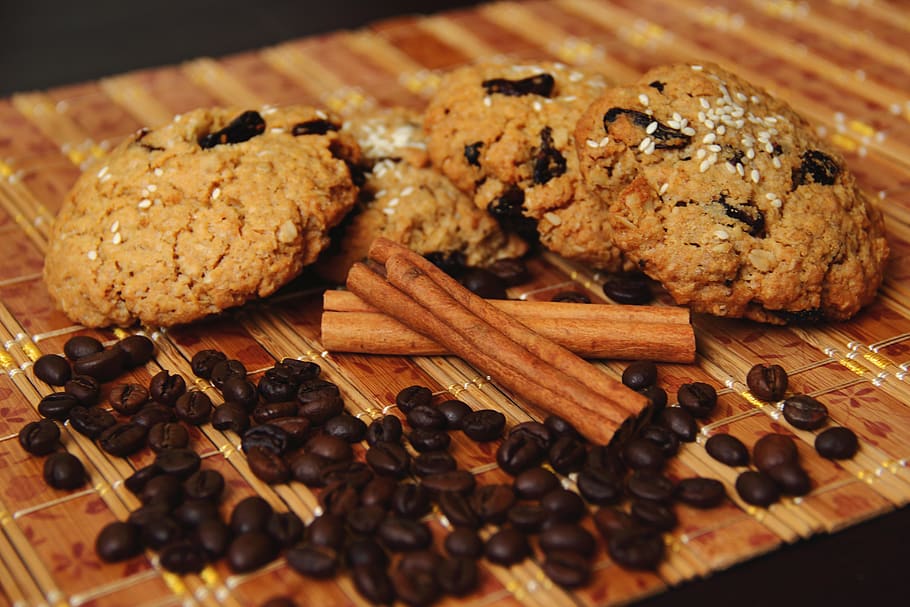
(844, 64)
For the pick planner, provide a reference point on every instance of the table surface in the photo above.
(45, 43)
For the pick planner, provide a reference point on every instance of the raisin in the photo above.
(508, 212)
(657, 84)
(314, 127)
(819, 166)
(541, 84)
(799, 316)
(664, 137)
(747, 214)
(472, 153)
(242, 128)
(452, 263)
(548, 163)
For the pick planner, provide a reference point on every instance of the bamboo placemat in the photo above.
(844, 64)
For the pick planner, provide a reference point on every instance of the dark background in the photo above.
(46, 43)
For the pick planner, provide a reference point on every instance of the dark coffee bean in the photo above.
(386, 429)
(160, 532)
(268, 466)
(483, 425)
(433, 462)
(698, 398)
(640, 549)
(426, 417)
(213, 537)
(339, 498)
(663, 438)
(364, 551)
(571, 297)
(599, 486)
(680, 422)
(412, 396)
(378, 492)
(519, 452)
(464, 542)
(727, 449)
(192, 513)
(354, 474)
(250, 551)
(640, 453)
(317, 562)
(640, 374)
(346, 427)
(179, 462)
(411, 500)
(837, 443)
(104, 366)
(534, 483)
(402, 535)
(655, 394)
(241, 391)
(454, 412)
(168, 435)
(567, 569)
(204, 485)
(536, 431)
(164, 490)
(757, 488)
(146, 513)
(40, 437)
(457, 576)
(64, 470)
(559, 426)
(330, 447)
(415, 588)
(138, 479)
(492, 502)
(319, 401)
(118, 541)
(805, 412)
(286, 528)
(298, 371)
(458, 481)
(127, 399)
(194, 407)
(629, 289)
(183, 557)
(266, 436)
(153, 413)
(86, 389)
(250, 514)
(608, 458)
(507, 547)
(373, 584)
(263, 413)
(388, 459)
(166, 388)
(122, 439)
(226, 369)
(275, 387)
(325, 530)
(204, 361)
(528, 517)
(365, 520)
(655, 515)
(57, 405)
(791, 479)
(511, 270)
(230, 416)
(483, 283)
(308, 468)
(567, 454)
(772, 450)
(137, 350)
(700, 492)
(457, 509)
(81, 345)
(297, 429)
(612, 520)
(53, 369)
(767, 382)
(563, 505)
(650, 485)
(568, 537)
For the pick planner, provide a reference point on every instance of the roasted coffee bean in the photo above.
(364, 551)
(183, 557)
(528, 517)
(757, 488)
(457, 576)
(244, 127)
(791, 479)
(559, 426)
(230, 416)
(57, 405)
(160, 532)
(325, 530)
(146, 513)
(483, 283)
(640, 453)
(373, 584)
(599, 486)
(263, 413)
(64, 470)
(772, 450)
(650, 485)
(454, 412)
(535, 431)
(163, 489)
(266, 436)
(607, 457)
(767, 382)
(166, 388)
(319, 401)
(127, 399)
(433, 462)
(297, 429)
(663, 438)
(194, 407)
(81, 345)
(805, 412)
(250, 551)
(403, 535)
(250, 514)
(365, 520)
(286, 528)
(338, 498)
(378, 491)
(91, 421)
(640, 374)
(86, 389)
(331, 448)
(388, 459)
(464, 542)
(104, 366)
(40, 437)
(192, 513)
(492, 502)
(568, 536)
(519, 452)
(226, 369)
(539, 84)
(655, 515)
(137, 350)
(458, 481)
(52, 369)
(118, 541)
(512, 271)
(204, 361)
(507, 547)
(655, 394)
(138, 479)
(483, 425)
(308, 468)
(123, 439)
(268, 466)
(298, 371)
(563, 505)
(386, 429)
(214, 537)
(411, 500)
(276, 387)
(241, 391)
(700, 492)
(412, 396)
(425, 441)
(612, 520)
(415, 588)
(727, 449)
(680, 422)
(567, 569)
(640, 549)
(354, 474)
(426, 417)
(153, 413)
(567, 454)
(317, 562)
(456, 506)
(837, 443)
(204, 485)
(534, 483)
(346, 427)
(571, 297)
(167, 435)
(698, 398)
(629, 289)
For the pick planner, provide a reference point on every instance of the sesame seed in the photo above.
(740, 123)
(394, 202)
(158, 172)
(688, 131)
(650, 149)
(714, 148)
(644, 144)
(769, 148)
(770, 195)
(709, 138)
(722, 234)
(704, 166)
(103, 171)
(755, 99)
(730, 168)
(92, 255)
(776, 162)
(674, 124)
(702, 117)
(652, 126)
(276, 129)
(144, 203)
(721, 129)
(777, 203)
(709, 124)
(115, 226)
(603, 142)
(216, 193)
(389, 211)
(740, 169)
(755, 175)
(677, 116)
(704, 103)
(537, 106)
(664, 188)
(701, 153)
(379, 194)
(741, 97)
(696, 68)
(487, 101)
(321, 114)
(407, 191)
(568, 98)
(117, 238)
(591, 143)
(643, 99)
(576, 76)
(151, 187)
(552, 218)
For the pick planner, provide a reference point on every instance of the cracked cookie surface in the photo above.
(726, 196)
(218, 207)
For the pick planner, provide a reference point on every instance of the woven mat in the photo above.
(844, 64)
